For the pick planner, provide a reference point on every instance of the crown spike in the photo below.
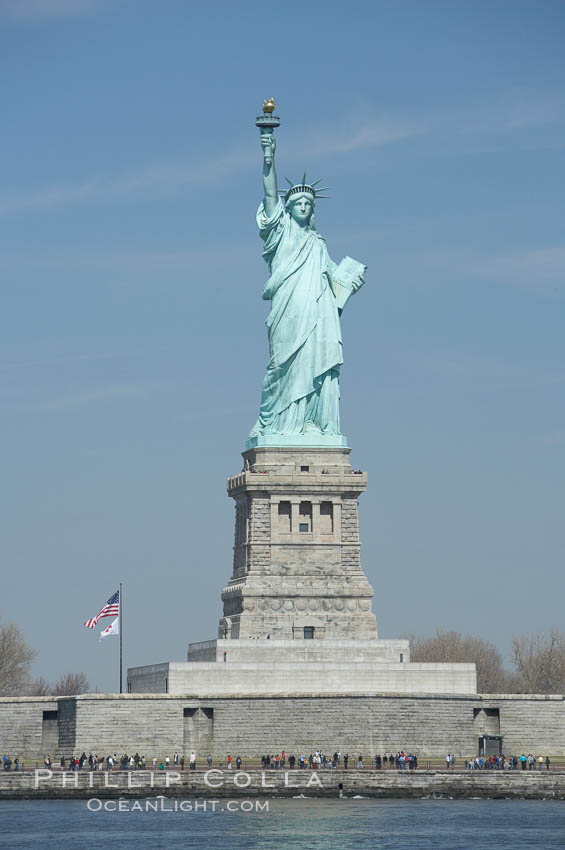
(290, 183)
(304, 179)
(315, 183)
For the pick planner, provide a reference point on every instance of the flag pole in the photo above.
(121, 625)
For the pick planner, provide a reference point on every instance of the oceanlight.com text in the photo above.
(164, 805)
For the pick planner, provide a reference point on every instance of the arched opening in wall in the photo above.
(326, 518)
(198, 733)
(486, 720)
(284, 518)
(305, 517)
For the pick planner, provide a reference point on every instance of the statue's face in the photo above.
(301, 210)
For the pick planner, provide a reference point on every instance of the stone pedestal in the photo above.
(297, 569)
(297, 615)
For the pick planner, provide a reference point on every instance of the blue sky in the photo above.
(132, 337)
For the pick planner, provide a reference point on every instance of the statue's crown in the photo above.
(303, 188)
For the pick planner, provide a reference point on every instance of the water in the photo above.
(289, 824)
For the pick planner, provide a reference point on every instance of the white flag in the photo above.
(113, 629)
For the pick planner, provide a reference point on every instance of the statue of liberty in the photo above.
(307, 290)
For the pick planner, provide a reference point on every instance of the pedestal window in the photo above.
(305, 517)
(326, 518)
(284, 518)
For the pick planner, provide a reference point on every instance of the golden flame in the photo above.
(269, 105)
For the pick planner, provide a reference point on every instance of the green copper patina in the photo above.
(300, 397)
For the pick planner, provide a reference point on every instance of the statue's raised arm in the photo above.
(269, 146)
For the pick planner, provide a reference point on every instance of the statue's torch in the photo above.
(267, 121)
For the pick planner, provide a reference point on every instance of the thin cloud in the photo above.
(552, 438)
(48, 200)
(517, 112)
(379, 132)
(97, 396)
(53, 362)
(158, 181)
(40, 398)
(137, 261)
(537, 269)
(167, 180)
(475, 369)
(33, 10)
(532, 114)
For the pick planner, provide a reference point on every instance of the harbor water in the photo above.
(284, 824)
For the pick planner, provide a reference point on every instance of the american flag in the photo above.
(110, 609)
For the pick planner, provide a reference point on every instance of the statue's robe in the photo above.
(301, 388)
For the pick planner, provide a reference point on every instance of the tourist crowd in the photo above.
(114, 762)
(318, 760)
(502, 762)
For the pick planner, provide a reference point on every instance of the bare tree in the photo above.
(15, 660)
(452, 647)
(539, 661)
(39, 688)
(70, 684)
